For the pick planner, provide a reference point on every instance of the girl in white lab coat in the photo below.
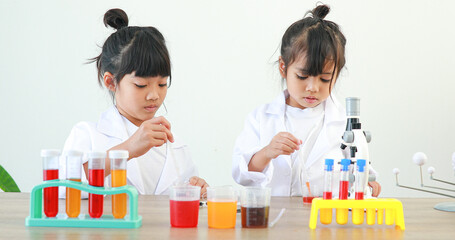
(284, 143)
(134, 66)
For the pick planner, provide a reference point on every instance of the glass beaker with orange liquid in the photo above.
(96, 165)
(73, 173)
(50, 159)
(255, 206)
(222, 207)
(119, 159)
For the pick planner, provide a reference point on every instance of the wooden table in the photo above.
(422, 222)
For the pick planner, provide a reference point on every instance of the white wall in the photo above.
(400, 61)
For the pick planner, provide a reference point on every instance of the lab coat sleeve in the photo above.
(246, 145)
(78, 139)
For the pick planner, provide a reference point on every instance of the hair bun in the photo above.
(116, 18)
(321, 11)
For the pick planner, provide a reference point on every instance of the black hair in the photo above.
(132, 49)
(317, 39)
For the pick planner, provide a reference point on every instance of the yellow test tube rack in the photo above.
(392, 208)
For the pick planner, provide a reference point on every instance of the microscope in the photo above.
(355, 141)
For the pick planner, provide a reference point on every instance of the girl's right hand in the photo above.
(152, 133)
(283, 143)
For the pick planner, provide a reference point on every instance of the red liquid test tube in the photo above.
(96, 161)
(50, 159)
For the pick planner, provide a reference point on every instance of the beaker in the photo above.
(222, 207)
(50, 159)
(184, 206)
(255, 206)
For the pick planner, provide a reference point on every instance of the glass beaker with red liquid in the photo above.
(184, 206)
(118, 178)
(255, 207)
(50, 159)
(96, 165)
(73, 173)
(310, 190)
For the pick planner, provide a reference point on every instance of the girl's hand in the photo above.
(152, 133)
(376, 188)
(197, 181)
(283, 143)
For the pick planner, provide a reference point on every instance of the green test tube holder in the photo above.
(38, 219)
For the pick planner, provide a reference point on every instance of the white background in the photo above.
(400, 62)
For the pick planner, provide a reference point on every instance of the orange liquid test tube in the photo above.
(118, 177)
(73, 173)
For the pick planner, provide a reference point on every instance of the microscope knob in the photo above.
(348, 136)
(367, 136)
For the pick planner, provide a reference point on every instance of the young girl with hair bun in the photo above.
(135, 67)
(305, 117)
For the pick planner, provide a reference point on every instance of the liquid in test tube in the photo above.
(342, 213)
(118, 178)
(50, 159)
(73, 173)
(357, 214)
(326, 214)
(96, 161)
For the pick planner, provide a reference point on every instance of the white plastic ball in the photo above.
(396, 171)
(453, 161)
(419, 158)
(431, 170)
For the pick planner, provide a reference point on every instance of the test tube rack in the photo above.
(38, 219)
(392, 208)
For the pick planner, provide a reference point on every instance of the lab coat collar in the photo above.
(111, 124)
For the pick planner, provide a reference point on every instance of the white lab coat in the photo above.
(110, 131)
(281, 174)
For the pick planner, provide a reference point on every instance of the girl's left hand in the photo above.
(197, 181)
(376, 188)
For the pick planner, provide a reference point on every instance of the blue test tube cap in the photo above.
(329, 164)
(345, 164)
(361, 164)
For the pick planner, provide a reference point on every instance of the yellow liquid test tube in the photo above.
(73, 201)
(357, 216)
(389, 216)
(326, 215)
(380, 216)
(342, 215)
(73, 173)
(371, 216)
(118, 178)
(119, 200)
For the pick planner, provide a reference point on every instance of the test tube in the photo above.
(118, 178)
(96, 178)
(73, 173)
(326, 213)
(357, 213)
(50, 172)
(342, 213)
